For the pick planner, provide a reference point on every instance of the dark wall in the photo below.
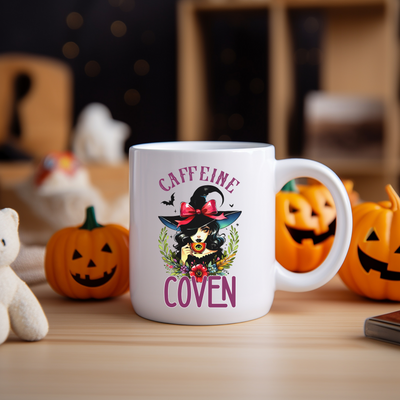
(104, 70)
(237, 50)
(42, 27)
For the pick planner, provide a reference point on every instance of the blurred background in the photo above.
(318, 79)
(122, 53)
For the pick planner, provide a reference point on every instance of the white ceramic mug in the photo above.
(202, 230)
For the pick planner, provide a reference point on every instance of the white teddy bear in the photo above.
(19, 308)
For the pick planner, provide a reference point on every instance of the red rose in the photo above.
(199, 271)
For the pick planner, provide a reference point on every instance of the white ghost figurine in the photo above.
(98, 138)
(57, 195)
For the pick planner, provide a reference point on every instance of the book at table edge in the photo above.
(385, 327)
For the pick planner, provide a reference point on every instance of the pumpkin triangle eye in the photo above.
(327, 204)
(398, 250)
(293, 209)
(106, 248)
(372, 236)
(314, 214)
(76, 255)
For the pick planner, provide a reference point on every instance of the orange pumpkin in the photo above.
(372, 265)
(90, 261)
(305, 226)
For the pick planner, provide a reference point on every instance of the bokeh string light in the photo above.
(92, 68)
(74, 20)
(132, 97)
(70, 50)
(118, 28)
(141, 67)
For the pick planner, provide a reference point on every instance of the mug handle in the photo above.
(289, 169)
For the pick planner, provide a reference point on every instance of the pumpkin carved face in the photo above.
(372, 265)
(305, 226)
(88, 270)
(91, 261)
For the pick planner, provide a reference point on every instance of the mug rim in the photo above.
(200, 146)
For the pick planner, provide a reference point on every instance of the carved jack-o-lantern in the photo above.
(91, 261)
(305, 226)
(372, 265)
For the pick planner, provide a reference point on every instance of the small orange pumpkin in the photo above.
(305, 226)
(372, 265)
(90, 261)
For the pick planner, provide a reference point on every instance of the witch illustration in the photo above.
(198, 240)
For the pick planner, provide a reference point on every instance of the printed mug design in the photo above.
(198, 251)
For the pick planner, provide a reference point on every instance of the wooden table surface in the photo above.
(310, 346)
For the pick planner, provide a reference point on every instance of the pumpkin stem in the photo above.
(393, 197)
(290, 186)
(90, 222)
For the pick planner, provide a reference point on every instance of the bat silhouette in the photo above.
(171, 202)
(231, 205)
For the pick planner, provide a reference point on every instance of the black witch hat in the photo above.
(200, 212)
